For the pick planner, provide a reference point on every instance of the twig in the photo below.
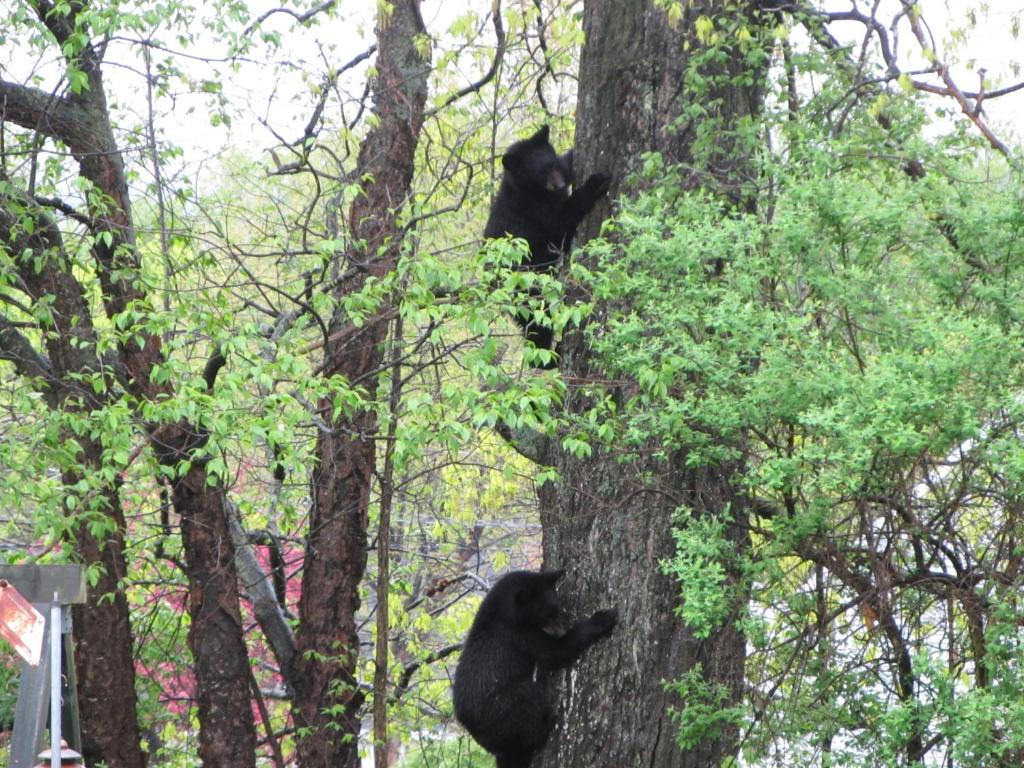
(499, 54)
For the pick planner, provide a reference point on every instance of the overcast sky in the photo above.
(281, 97)
(989, 44)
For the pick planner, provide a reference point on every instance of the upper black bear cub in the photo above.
(534, 203)
(499, 681)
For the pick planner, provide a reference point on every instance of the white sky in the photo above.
(258, 92)
(989, 44)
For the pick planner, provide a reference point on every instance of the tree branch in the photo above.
(943, 72)
(17, 349)
(67, 210)
(302, 144)
(37, 110)
(528, 443)
(300, 18)
(499, 54)
(403, 683)
(814, 21)
(261, 592)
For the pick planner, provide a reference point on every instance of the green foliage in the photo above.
(704, 708)
(701, 566)
(10, 666)
(856, 344)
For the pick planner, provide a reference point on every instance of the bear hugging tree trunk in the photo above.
(534, 203)
(514, 642)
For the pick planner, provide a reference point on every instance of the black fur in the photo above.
(534, 203)
(499, 689)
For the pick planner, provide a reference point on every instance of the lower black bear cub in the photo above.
(534, 203)
(500, 679)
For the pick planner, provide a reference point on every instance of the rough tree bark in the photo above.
(327, 700)
(227, 731)
(608, 521)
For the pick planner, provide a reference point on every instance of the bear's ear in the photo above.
(541, 136)
(512, 161)
(552, 577)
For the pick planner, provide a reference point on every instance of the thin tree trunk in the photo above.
(609, 521)
(327, 699)
(381, 745)
(228, 738)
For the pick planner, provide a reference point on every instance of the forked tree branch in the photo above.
(815, 22)
(973, 112)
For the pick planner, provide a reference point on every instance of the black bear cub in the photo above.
(534, 203)
(499, 689)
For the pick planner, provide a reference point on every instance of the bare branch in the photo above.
(403, 683)
(888, 56)
(66, 209)
(953, 90)
(546, 68)
(300, 18)
(814, 21)
(303, 143)
(499, 54)
(260, 589)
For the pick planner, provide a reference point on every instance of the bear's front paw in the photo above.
(599, 183)
(603, 621)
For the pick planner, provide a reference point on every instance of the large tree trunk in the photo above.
(607, 520)
(227, 732)
(327, 700)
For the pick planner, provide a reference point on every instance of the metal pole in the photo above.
(55, 643)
